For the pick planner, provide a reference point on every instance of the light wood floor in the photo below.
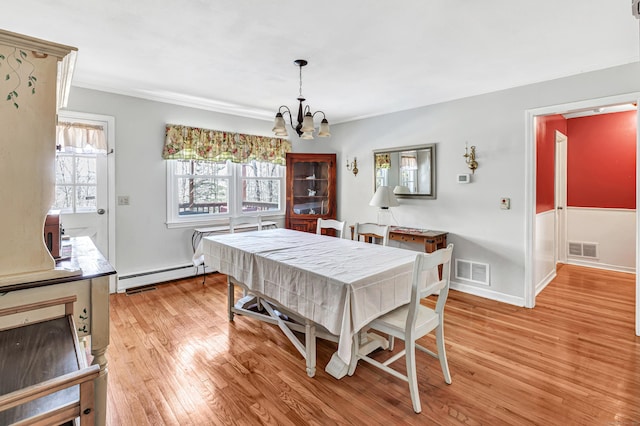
(573, 360)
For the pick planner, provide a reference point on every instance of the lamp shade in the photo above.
(307, 123)
(384, 198)
(324, 129)
(401, 190)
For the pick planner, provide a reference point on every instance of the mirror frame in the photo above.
(430, 147)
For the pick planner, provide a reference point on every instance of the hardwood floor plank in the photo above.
(175, 359)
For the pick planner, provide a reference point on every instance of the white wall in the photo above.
(143, 242)
(470, 213)
(544, 268)
(614, 230)
(495, 124)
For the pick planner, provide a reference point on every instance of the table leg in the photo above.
(310, 347)
(230, 297)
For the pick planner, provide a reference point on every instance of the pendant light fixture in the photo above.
(305, 126)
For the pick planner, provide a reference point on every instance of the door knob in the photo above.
(101, 211)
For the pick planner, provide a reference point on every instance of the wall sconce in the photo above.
(353, 166)
(470, 158)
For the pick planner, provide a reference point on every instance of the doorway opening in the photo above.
(544, 231)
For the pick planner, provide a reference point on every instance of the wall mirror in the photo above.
(409, 170)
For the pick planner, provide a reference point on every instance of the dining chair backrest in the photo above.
(336, 225)
(370, 231)
(431, 273)
(236, 224)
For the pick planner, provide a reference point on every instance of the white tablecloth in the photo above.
(337, 283)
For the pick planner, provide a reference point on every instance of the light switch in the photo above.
(505, 203)
(123, 200)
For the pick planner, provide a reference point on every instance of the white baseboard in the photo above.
(487, 294)
(545, 281)
(598, 265)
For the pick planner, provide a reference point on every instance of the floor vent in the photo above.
(138, 290)
(472, 271)
(581, 249)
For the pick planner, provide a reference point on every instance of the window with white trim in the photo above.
(203, 191)
(76, 184)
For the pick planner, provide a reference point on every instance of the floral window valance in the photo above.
(194, 143)
(383, 161)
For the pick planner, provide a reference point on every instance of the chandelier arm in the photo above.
(286, 111)
(319, 112)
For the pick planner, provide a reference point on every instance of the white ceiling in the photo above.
(366, 57)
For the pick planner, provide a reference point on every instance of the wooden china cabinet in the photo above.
(311, 190)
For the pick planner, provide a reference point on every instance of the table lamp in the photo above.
(384, 198)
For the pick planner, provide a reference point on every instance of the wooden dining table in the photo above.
(331, 287)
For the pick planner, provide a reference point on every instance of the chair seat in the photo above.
(395, 322)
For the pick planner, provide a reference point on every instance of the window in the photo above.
(203, 191)
(76, 183)
(409, 172)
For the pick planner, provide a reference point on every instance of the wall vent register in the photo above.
(475, 272)
(582, 249)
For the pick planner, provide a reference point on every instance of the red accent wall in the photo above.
(545, 159)
(601, 161)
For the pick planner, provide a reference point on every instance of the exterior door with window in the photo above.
(81, 193)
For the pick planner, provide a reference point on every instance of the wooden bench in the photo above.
(44, 377)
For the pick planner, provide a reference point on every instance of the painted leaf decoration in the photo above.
(23, 54)
(7, 77)
(19, 61)
(15, 93)
(15, 105)
(33, 77)
(9, 97)
(33, 91)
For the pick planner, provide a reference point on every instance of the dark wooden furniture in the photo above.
(311, 190)
(45, 377)
(430, 240)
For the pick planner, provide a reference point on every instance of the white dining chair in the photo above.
(370, 231)
(239, 224)
(414, 320)
(337, 225)
(235, 225)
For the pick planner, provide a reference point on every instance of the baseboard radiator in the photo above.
(126, 282)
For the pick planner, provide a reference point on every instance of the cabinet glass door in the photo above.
(310, 188)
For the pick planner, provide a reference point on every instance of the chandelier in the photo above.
(305, 126)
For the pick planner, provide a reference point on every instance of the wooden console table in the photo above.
(430, 240)
(91, 309)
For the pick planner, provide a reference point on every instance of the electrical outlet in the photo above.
(505, 203)
(123, 200)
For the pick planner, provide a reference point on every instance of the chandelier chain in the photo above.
(300, 95)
